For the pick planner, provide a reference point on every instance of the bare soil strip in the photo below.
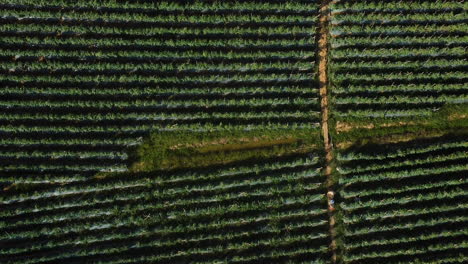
(322, 61)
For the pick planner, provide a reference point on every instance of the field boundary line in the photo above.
(322, 62)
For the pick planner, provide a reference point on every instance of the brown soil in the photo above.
(322, 60)
(457, 116)
(346, 127)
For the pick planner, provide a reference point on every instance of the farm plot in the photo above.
(146, 131)
(399, 88)
(405, 202)
(271, 211)
(81, 82)
(84, 83)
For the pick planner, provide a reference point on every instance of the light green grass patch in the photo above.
(189, 149)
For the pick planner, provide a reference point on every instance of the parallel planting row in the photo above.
(399, 75)
(160, 132)
(82, 81)
(272, 211)
(188, 132)
(406, 202)
(393, 59)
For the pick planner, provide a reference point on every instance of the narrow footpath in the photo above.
(322, 62)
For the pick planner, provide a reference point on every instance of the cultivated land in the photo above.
(399, 75)
(212, 131)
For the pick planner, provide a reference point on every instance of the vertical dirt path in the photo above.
(322, 61)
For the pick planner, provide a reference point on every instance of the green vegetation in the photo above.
(144, 131)
(189, 149)
(84, 81)
(398, 70)
(449, 119)
(160, 132)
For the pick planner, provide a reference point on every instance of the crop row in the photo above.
(402, 54)
(182, 180)
(266, 208)
(248, 64)
(291, 164)
(156, 42)
(119, 93)
(396, 203)
(144, 19)
(162, 68)
(399, 93)
(411, 5)
(375, 49)
(138, 118)
(75, 31)
(165, 7)
(147, 56)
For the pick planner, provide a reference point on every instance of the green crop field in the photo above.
(400, 94)
(141, 131)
